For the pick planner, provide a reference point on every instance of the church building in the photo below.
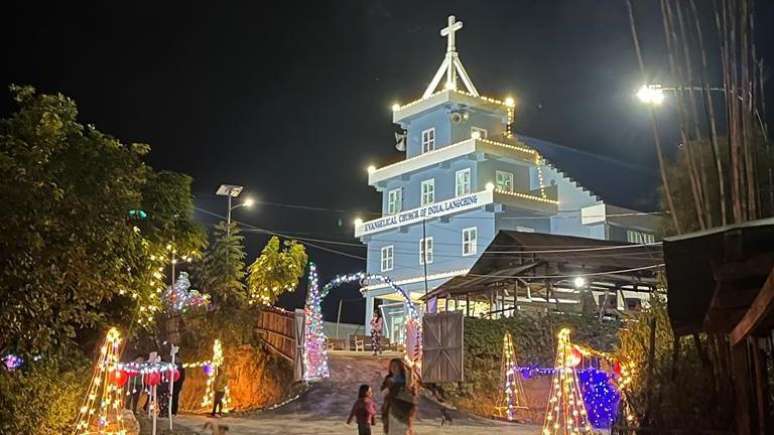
(465, 177)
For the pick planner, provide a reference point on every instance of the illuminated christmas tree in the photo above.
(511, 396)
(180, 297)
(566, 413)
(315, 354)
(101, 409)
(211, 369)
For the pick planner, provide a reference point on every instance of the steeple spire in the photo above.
(451, 65)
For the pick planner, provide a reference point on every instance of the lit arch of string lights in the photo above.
(315, 356)
(365, 278)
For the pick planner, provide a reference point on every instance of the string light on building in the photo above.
(101, 410)
(566, 411)
(511, 396)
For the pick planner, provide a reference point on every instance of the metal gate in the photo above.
(443, 347)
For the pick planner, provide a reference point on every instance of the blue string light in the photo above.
(600, 396)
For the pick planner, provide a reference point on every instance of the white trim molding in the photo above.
(444, 153)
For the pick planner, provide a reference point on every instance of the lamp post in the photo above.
(232, 191)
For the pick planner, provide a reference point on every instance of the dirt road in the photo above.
(323, 409)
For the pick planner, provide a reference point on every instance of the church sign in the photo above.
(430, 211)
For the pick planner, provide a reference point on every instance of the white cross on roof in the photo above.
(451, 65)
(449, 31)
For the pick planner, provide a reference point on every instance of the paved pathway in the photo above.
(323, 409)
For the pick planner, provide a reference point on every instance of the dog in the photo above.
(217, 429)
(445, 417)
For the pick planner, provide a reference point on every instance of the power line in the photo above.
(611, 272)
(266, 231)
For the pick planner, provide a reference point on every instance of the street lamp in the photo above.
(651, 94)
(655, 94)
(232, 191)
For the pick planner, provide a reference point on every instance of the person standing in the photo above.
(177, 386)
(401, 399)
(135, 387)
(377, 324)
(219, 387)
(364, 410)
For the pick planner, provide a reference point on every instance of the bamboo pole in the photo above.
(698, 140)
(710, 109)
(654, 127)
(671, 42)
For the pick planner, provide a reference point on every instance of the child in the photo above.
(364, 410)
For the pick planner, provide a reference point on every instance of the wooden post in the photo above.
(741, 381)
(467, 304)
(760, 382)
(675, 357)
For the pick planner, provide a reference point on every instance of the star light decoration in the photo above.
(566, 412)
(511, 397)
(180, 297)
(101, 409)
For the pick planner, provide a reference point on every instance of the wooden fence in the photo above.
(276, 328)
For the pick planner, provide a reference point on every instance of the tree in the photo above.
(276, 271)
(72, 253)
(222, 271)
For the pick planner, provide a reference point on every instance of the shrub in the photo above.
(42, 398)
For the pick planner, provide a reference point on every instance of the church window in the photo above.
(428, 140)
(633, 236)
(469, 239)
(426, 250)
(428, 192)
(387, 258)
(504, 181)
(481, 132)
(394, 201)
(462, 182)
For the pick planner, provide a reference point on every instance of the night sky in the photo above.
(292, 99)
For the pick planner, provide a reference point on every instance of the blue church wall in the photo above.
(446, 131)
(571, 196)
(477, 118)
(521, 173)
(447, 245)
(517, 220)
(568, 223)
(444, 176)
(438, 119)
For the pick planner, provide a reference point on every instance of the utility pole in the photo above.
(232, 191)
(424, 252)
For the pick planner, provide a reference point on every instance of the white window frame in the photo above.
(427, 197)
(387, 262)
(639, 237)
(482, 132)
(426, 243)
(504, 175)
(394, 201)
(471, 242)
(461, 189)
(428, 140)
